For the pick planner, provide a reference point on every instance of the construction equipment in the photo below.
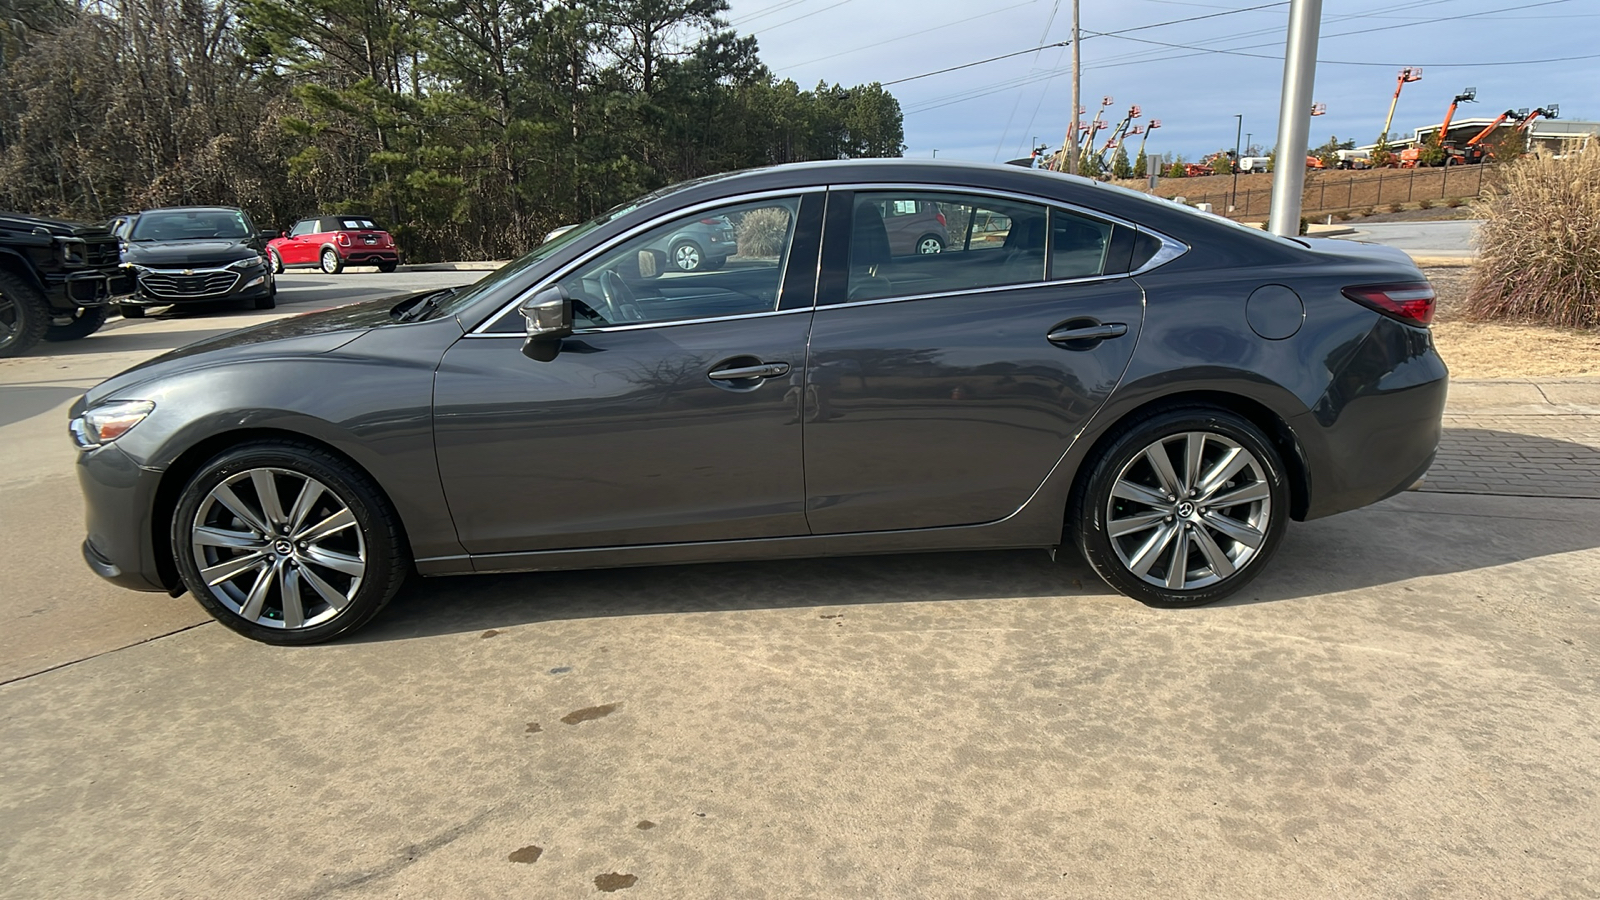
(1117, 134)
(1087, 143)
(1407, 75)
(1476, 151)
(1152, 126)
(1411, 157)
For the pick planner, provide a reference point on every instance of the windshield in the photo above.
(190, 225)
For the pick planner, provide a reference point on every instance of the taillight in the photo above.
(709, 222)
(1411, 302)
(342, 238)
(940, 217)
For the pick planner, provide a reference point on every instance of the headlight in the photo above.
(247, 263)
(109, 421)
(74, 251)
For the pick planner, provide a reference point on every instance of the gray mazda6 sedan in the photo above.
(1159, 387)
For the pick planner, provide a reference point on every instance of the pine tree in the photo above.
(1120, 168)
(1141, 166)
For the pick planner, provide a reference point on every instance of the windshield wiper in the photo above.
(426, 305)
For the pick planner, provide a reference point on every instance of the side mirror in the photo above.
(283, 234)
(547, 316)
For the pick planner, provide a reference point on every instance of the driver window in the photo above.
(720, 262)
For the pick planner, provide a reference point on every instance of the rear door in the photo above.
(935, 394)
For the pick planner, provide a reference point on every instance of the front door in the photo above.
(670, 415)
(936, 395)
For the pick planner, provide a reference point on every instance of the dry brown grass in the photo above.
(761, 231)
(1539, 245)
(1480, 350)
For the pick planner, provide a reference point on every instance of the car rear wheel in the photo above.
(930, 243)
(332, 262)
(1183, 508)
(286, 543)
(24, 315)
(687, 256)
(274, 262)
(80, 324)
(387, 266)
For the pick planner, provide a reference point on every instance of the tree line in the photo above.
(470, 127)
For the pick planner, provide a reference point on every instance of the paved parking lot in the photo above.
(1403, 705)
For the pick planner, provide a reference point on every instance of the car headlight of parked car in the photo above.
(108, 421)
(249, 262)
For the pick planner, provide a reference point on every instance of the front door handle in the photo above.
(745, 373)
(1087, 333)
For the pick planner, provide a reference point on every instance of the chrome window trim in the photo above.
(564, 271)
(640, 326)
(1171, 247)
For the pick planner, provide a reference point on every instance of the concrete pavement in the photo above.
(1402, 705)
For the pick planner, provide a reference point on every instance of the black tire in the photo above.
(1124, 460)
(85, 321)
(687, 256)
(274, 262)
(929, 244)
(24, 315)
(129, 311)
(269, 301)
(376, 533)
(331, 262)
(387, 267)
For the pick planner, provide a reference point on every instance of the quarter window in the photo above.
(1079, 246)
(721, 262)
(904, 244)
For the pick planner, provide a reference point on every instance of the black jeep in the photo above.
(56, 280)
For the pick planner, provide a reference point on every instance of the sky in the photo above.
(993, 112)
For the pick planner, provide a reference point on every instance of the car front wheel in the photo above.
(1183, 508)
(286, 543)
(332, 262)
(929, 244)
(274, 262)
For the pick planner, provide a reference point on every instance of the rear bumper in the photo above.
(361, 256)
(1377, 429)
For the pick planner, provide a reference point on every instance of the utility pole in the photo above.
(1294, 121)
(1071, 144)
(1233, 201)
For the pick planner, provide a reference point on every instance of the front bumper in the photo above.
(119, 506)
(170, 287)
(87, 288)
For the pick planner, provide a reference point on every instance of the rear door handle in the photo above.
(1087, 333)
(744, 373)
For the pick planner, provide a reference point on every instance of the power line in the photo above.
(806, 15)
(875, 44)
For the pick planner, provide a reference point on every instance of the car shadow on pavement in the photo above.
(23, 402)
(1401, 540)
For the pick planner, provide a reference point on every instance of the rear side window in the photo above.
(906, 244)
(1080, 246)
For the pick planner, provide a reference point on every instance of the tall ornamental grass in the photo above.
(1539, 246)
(761, 232)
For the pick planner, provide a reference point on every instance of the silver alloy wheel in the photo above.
(929, 245)
(687, 257)
(280, 567)
(330, 261)
(1189, 510)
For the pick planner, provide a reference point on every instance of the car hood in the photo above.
(187, 254)
(307, 334)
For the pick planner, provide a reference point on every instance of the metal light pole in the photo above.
(1233, 201)
(1294, 123)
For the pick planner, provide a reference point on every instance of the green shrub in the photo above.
(761, 231)
(1539, 245)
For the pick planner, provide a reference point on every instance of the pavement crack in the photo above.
(59, 666)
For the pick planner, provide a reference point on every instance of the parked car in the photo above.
(196, 254)
(56, 280)
(332, 242)
(1159, 388)
(914, 226)
(700, 244)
